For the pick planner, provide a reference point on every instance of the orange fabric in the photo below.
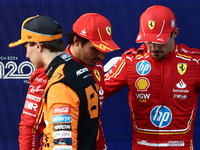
(65, 97)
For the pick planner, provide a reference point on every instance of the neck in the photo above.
(49, 56)
(73, 51)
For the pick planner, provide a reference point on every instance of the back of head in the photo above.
(156, 24)
(39, 28)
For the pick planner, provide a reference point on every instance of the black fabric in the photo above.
(78, 77)
(42, 24)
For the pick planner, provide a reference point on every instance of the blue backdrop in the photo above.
(124, 16)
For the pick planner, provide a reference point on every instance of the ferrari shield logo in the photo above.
(181, 67)
(151, 24)
(108, 30)
(97, 74)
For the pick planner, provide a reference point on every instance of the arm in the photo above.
(115, 79)
(32, 123)
(64, 102)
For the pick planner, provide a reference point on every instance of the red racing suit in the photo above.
(98, 74)
(32, 121)
(162, 94)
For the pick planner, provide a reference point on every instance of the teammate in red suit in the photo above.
(163, 80)
(32, 121)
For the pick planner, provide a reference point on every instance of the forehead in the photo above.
(90, 46)
(26, 45)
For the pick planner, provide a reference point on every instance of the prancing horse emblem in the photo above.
(151, 24)
(182, 67)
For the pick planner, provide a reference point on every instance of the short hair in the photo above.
(70, 37)
(172, 32)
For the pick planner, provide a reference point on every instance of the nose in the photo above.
(27, 55)
(101, 55)
(151, 46)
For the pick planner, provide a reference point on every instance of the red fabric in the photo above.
(162, 102)
(97, 29)
(32, 123)
(156, 24)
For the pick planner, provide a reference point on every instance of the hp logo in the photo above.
(161, 116)
(143, 67)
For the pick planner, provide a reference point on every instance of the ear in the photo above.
(76, 41)
(38, 46)
(175, 32)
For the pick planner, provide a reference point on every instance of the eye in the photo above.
(94, 49)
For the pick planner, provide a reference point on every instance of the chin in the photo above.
(92, 64)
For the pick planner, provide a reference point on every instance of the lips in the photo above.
(95, 60)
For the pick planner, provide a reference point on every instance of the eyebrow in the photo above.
(94, 48)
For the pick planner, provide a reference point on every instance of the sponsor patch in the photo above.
(62, 148)
(61, 118)
(30, 106)
(34, 98)
(62, 134)
(180, 96)
(101, 91)
(161, 144)
(66, 57)
(142, 84)
(40, 80)
(37, 89)
(81, 71)
(28, 113)
(108, 30)
(151, 24)
(64, 126)
(142, 97)
(97, 74)
(161, 116)
(181, 67)
(172, 23)
(143, 67)
(62, 110)
(181, 85)
(63, 141)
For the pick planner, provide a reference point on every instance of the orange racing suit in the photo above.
(98, 74)
(31, 126)
(71, 106)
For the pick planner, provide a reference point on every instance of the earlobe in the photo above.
(38, 46)
(176, 31)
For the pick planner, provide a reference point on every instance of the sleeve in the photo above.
(62, 102)
(101, 143)
(115, 79)
(196, 57)
(32, 122)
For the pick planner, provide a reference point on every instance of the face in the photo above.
(159, 51)
(33, 54)
(90, 55)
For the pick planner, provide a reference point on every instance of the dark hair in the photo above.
(70, 37)
(172, 32)
(56, 45)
